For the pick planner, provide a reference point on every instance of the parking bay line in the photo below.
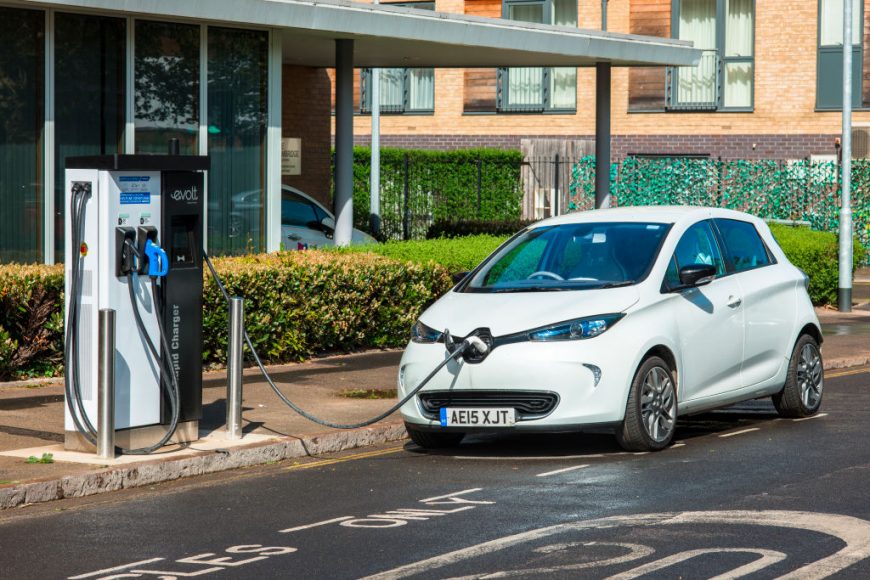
(740, 432)
(563, 470)
(316, 524)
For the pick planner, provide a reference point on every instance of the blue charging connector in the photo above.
(158, 261)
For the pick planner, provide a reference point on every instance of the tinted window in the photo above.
(697, 246)
(296, 211)
(572, 257)
(743, 246)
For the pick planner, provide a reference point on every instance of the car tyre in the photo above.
(802, 394)
(431, 440)
(651, 411)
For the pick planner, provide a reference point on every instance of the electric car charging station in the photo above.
(134, 234)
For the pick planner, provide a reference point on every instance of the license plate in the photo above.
(462, 417)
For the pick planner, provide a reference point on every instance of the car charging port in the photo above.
(125, 240)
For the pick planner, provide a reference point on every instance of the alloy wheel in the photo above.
(658, 404)
(809, 376)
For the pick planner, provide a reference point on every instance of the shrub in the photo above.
(301, 303)
(816, 253)
(457, 229)
(31, 320)
(456, 255)
(297, 304)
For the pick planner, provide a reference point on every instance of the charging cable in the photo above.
(472, 341)
(72, 386)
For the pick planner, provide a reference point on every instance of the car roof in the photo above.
(670, 214)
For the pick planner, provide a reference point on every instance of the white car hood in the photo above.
(506, 313)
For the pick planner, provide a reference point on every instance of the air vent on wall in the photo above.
(860, 141)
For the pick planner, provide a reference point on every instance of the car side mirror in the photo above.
(328, 225)
(459, 277)
(697, 274)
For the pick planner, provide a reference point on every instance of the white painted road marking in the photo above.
(316, 524)
(115, 569)
(563, 470)
(767, 558)
(751, 429)
(675, 445)
(853, 533)
(454, 498)
(819, 416)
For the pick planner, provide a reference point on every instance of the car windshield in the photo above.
(572, 257)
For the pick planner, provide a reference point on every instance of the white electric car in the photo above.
(625, 318)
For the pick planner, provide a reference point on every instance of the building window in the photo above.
(166, 75)
(723, 80)
(90, 92)
(22, 85)
(237, 124)
(535, 89)
(829, 77)
(402, 90)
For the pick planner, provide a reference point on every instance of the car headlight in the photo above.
(578, 329)
(421, 333)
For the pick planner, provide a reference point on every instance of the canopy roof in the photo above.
(387, 36)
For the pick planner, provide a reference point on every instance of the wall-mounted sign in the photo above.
(291, 156)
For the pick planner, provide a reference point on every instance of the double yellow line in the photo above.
(352, 457)
(846, 373)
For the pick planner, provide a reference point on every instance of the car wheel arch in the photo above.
(664, 351)
(811, 329)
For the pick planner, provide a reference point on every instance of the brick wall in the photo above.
(724, 146)
(311, 123)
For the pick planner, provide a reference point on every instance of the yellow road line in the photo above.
(860, 371)
(346, 458)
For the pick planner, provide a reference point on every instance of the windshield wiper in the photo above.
(618, 284)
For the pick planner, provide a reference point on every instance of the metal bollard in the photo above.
(234, 368)
(106, 385)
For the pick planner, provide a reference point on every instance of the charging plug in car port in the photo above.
(124, 237)
(145, 233)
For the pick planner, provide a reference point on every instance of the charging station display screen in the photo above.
(183, 243)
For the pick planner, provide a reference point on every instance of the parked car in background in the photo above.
(625, 318)
(307, 224)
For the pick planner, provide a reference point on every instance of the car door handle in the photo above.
(734, 302)
(294, 237)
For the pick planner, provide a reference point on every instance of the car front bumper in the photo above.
(564, 368)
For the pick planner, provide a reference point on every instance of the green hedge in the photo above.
(813, 252)
(461, 228)
(454, 254)
(297, 304)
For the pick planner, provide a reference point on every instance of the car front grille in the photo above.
(528, 404)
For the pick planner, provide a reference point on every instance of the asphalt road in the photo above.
(741, 492)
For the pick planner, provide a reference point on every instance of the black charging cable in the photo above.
(465, 345)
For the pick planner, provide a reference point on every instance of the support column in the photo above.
(602, 135)
(343, 141)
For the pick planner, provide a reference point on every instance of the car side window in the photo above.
(744, 248)
(697, 246)
(296, 211)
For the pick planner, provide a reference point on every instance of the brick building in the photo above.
(768, 85)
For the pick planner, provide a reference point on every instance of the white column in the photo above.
(273, 144)
(49, 176)
(343, 141)
(844, 293)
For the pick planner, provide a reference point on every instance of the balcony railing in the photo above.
(695, 88)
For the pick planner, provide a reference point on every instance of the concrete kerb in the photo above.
(151, 472)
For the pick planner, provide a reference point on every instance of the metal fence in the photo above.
(417, 192)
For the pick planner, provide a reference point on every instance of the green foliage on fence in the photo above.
(441, 185)
(794, 190)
